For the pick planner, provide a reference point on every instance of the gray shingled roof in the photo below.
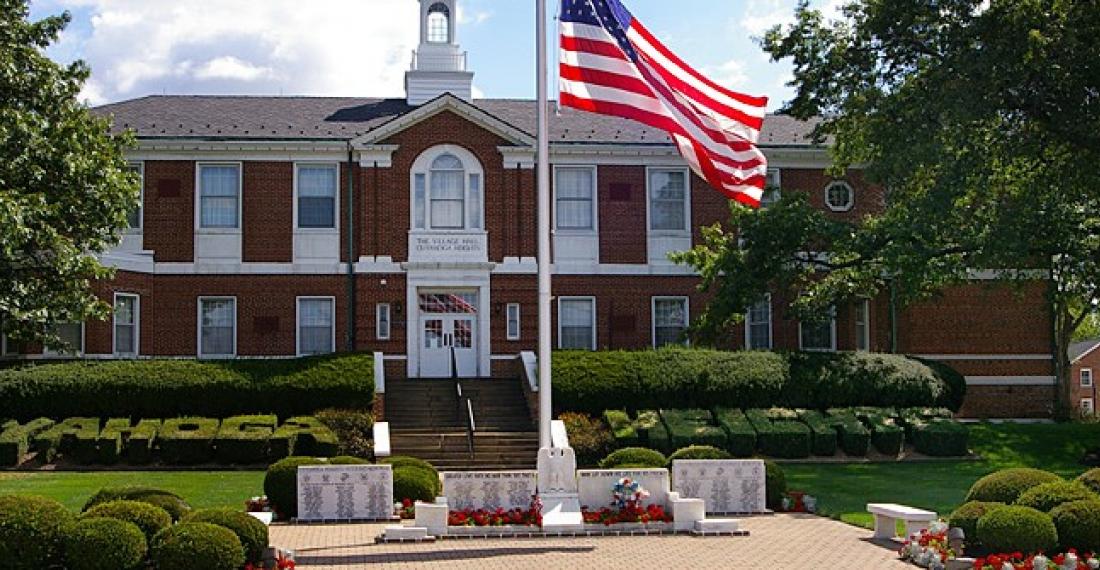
(1079, 348)
(342, 118)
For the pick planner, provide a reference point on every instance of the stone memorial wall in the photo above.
(330, 493)
(595, 485)
(730, 486)
(489, 489)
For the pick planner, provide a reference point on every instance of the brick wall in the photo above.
(1008, 402)
(622, 210)
(268, 212)
(169, 211)
(1091, 361)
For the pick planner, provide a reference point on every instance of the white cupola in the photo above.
(438, 64)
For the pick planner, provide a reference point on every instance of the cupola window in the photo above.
(439, 24)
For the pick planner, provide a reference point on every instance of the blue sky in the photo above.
(362, 47)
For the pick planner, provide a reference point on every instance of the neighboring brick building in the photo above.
(253, 208)
(1085, 359)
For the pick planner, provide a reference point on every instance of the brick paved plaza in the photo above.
(780, 541)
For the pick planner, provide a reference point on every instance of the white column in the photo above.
(543, 161)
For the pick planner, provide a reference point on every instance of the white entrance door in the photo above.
(448, 335)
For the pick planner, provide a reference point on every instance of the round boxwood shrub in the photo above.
(1091, 479)
(151, 519)
(966, 517)
(191, 545)
(1007, 485)
(1015, 528)
(1078, 525)
(406, 461)
(775, 482)
(635, 456)
(698, 452)
(102, 543)
(1049, 495)
(251, 532)
(32, 530)
(172, 503)
(415, 483)
(281, 484)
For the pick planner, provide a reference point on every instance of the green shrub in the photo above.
(652, 430)
(415, 484)
(698, 452)
(304, 436)
(966, 517)
(941, 438)
(119, 440)
(775, 485)
(740, 435)
(692, 427)
(634, 456)
(251, 532)
(822, 432)
(1091, 479)
(1078, 524)
(853, 437)
(886, 435)
(1017, 529)
(32, 531)
(281, 484)
(243, 439)
(174, 388)
(911, 418)
(1007, 485)
(150, 518)
(784, 439)
(406, 461)
(1049, 495)
(105, 544)
(187, 546)
(588, 436)
(354, 430)
(188, 441)
(15, 440)
(172, 503)
(621, 428)
(75, 438)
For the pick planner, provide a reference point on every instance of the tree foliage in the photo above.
(982, 121)
(65, 191)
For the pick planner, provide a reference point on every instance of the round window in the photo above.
(839, 196)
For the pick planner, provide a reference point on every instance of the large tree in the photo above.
(65, 191)
(982, 121)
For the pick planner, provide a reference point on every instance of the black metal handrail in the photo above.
(467, 413)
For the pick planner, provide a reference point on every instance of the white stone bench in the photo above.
(888, 514)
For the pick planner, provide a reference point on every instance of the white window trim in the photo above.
(298, 320)
(136, 325)
(866, 340)
(240, 199)
(508, 319)
(378, 310)
(653, 314)
(1089, 384)
(595, 231)
(1090, 408)
(591, 298)
(236, 332)
(649, 202)
(832, 332)
(851, 196)
(423, 165)
(140, 164)
(336, 203)
(83, 341)
(776, 188)
(771, 319)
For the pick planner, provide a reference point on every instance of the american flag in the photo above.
(610, 64)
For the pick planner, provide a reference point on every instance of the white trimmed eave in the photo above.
(168, 148)
(667, 155)
(445, 102)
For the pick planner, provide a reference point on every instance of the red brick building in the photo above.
(1085, 359)
(281, 226)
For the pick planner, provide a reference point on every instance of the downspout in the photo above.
(351, 293)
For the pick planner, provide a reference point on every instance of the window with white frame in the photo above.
(219, 196)
(316, 325)
(317, 188)
(818, 335)
(1086, 377)
(863, 324)
(670, 320)
(126, 324)
(217, 326)
(513, 321)
(758, 325)
(771, 188)
(668, 200)
(447, 191)
(1087, 406)
(71, 336)
(575, 198)
(382, 321)
(577, 323)
(438, 24)
(135, 216)
(839, 196)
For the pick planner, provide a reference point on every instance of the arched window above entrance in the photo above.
(447, 190)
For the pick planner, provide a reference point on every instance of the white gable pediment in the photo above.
(441, 104)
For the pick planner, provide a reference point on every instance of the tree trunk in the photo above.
(1063, 334)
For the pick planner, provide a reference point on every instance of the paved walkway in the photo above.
(780, 541)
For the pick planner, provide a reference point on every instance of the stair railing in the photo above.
(467, 411)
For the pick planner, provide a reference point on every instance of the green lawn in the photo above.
(200, 488)
(844, 490)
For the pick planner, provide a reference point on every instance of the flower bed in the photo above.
(626, 508)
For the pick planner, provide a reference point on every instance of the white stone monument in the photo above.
(595, 485)
(489, 489)
(728, 486)
(557, 485)
(331, 493)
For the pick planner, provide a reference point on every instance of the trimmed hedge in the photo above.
(172, 503)
(32, 531)
(406, 461)
(15, 440)
(854, 437)
(150, 518)
(188, 441)
(783, 439)
(1017, 529)
(172, 388)
(621, 428)
(281, 481)
(588, 437)
(303, 436)
(187, 546)
(966, 517)
(415, 483)
(105, 544)
(244, 439)
(692, 427)
(652, 431)
(353, 429)
(1078, 524)
(1006, 485)
(740, 435)
(698, 452)
(120, 440)
(75, 438)
(886, 435)
(775, 483)
(1049, 495)
(822, 432)
(941, 438)
(1091, 479)
(678, 377)
(634, 457)
(252, 533)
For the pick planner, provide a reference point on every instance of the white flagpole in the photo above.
(543, 165)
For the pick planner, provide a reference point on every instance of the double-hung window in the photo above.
(577, 323)
(317, 187)
(863, 324)
(126, 324)
(134, 218)
(818, 335)
(670, 320)
(758, 325)
(668, 200)
(1086, 377)
(71, 336)
(575, 197)
(513, 321)
(382, 321)
(217, 327)
(771, 188)
(219, 196)
(316, 328)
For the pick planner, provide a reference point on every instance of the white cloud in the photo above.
(350, 47)
(731, 74)
(762, 15)
(476, 17)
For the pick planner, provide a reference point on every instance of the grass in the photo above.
(201, 489)
(844, 490)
